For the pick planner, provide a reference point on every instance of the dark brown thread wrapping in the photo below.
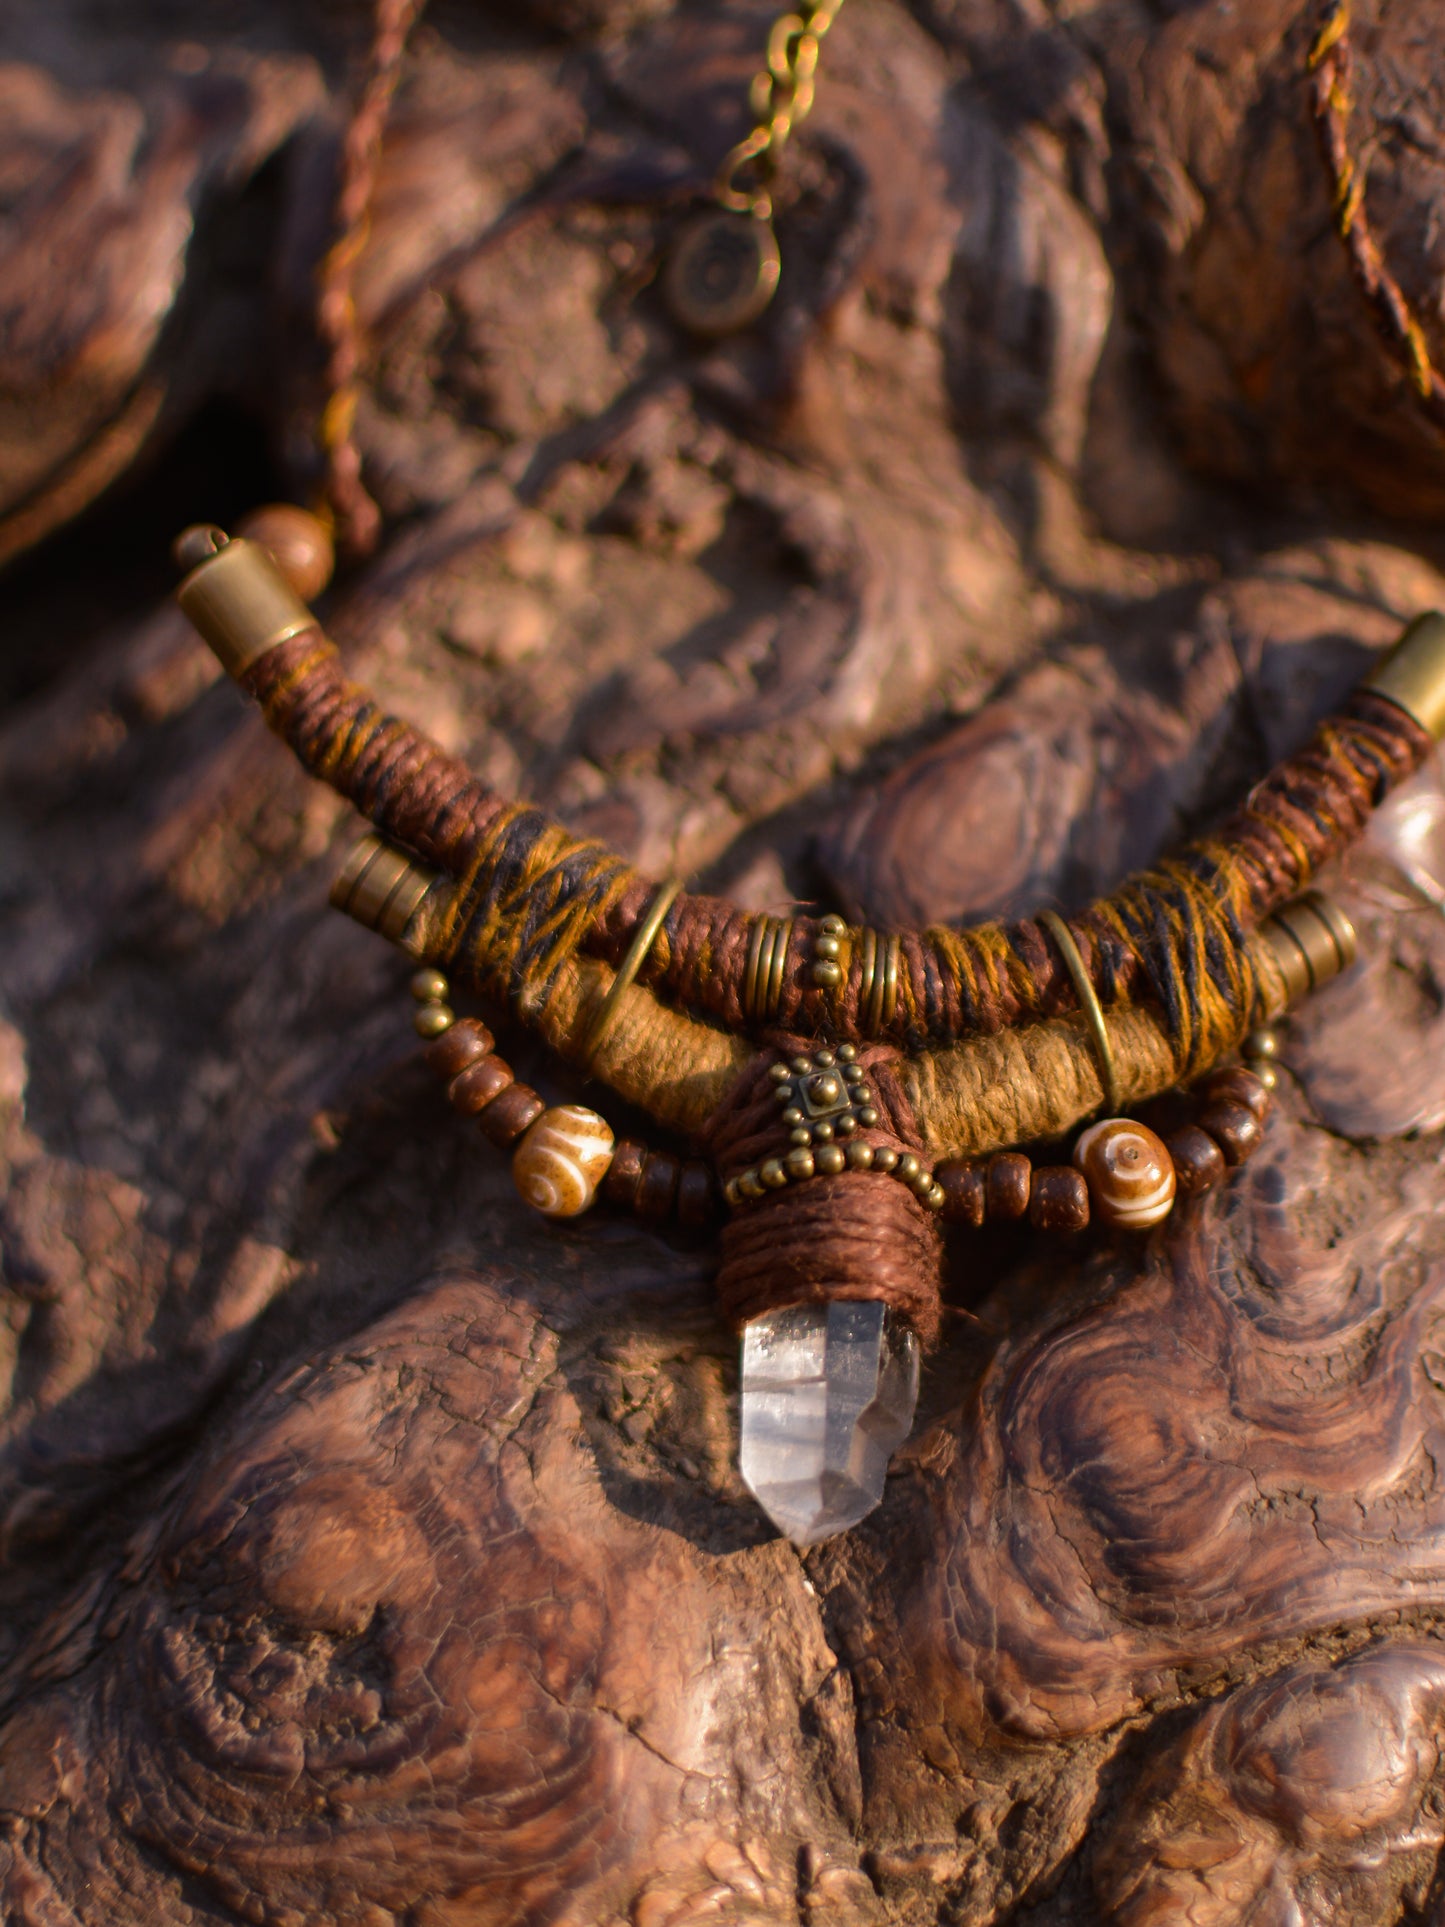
(854, 1235)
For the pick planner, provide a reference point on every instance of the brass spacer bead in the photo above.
(772, 1174)
(429, 987)
(799, 1164)
(829, 1158)
(432, 1019)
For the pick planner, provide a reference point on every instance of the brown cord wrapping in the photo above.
(1174, 936)
(852, 1235)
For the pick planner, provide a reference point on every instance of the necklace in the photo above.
(845, 1091)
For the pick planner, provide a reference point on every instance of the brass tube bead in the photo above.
(382, 887)
(1312, 941)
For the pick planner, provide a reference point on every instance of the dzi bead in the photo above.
(562, 1159)
(1129, 1172)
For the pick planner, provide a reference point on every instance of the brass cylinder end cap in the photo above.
(238, 599)
(1412, 674)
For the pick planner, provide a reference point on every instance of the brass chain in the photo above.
(781, 96)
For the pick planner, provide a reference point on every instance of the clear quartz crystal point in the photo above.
(828, 1393)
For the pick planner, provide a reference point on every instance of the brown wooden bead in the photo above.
(479, 1085)
(1234, 1129)
(1198, 1161)
(1059, 1199)
(300, 545)
(1007, 1183)
(507, 1116)
(1237, 1086)
(696, 1195)
(463, 1044)
(656, 1193)
(965, 1199)
(1129, 1172)
(624, 1174)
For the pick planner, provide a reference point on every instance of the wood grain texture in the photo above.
(373, 1553)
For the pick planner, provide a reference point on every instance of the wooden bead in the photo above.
(299, 544)
(479, 1085)
(624, 1174)
(1129, 1171)
(964, 1192)
(1238, 1086)
(1198, 1161)
(657, 1191)
(507, 1116)
(1007, 1182)
(1234, 1129)
(465, 1043)
(1059, 1199)
(563, 1158)
(696, 1195)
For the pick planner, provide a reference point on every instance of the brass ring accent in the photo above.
(643, 939)
(1088, 1002)
(767, 962)
(878, 981)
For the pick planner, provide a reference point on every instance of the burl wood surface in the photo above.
(371, 1554)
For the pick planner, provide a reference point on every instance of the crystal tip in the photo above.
(828, 1395)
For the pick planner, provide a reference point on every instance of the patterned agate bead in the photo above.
(562, 1159)
(1129, 1172)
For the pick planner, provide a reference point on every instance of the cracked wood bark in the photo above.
(370, 1553)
